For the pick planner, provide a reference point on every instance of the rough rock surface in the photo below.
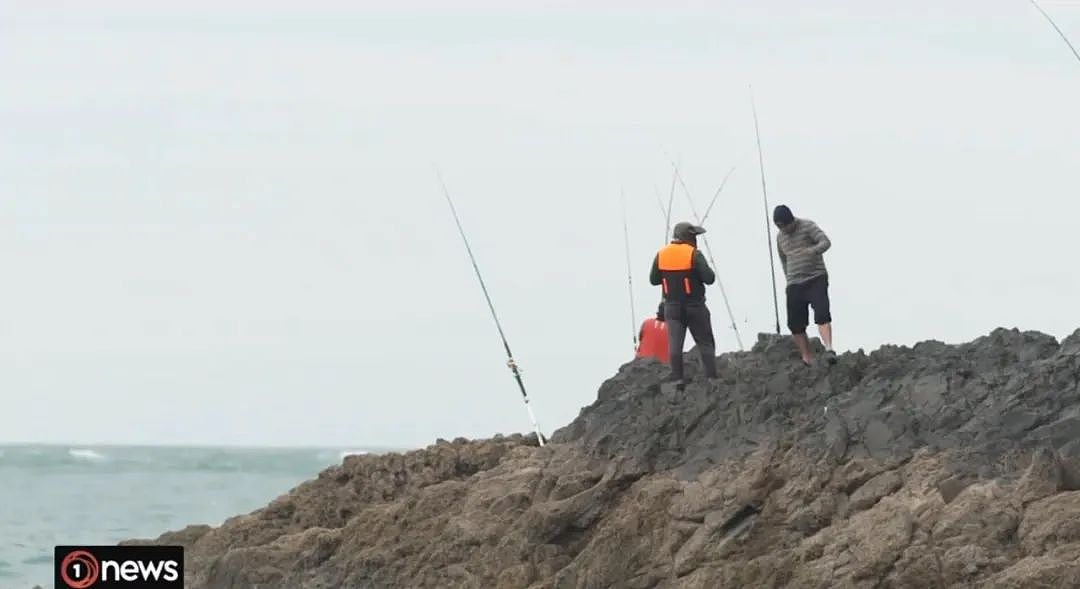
(931, 466)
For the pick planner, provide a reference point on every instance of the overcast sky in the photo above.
(220, 221)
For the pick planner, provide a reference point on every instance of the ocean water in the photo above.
(52, 495)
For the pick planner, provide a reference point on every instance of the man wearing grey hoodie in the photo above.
(800, 245)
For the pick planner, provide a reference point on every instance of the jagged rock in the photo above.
(876, 488)
(1043, 477)
(185, 537)
(934, 465)
(1070, 346)
(952, 486)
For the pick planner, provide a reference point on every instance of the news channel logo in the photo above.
(115, 567)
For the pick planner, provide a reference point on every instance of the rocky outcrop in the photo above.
(928, 466)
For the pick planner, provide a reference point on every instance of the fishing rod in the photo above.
(663, 211)
(713, 201)
(629, 275)
(768, 226)
(708, 249)
(510, 362)
(671, 199)
(1058, 29)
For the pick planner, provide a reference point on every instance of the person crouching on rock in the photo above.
(681, 271)
(800, 245)
(653, 338)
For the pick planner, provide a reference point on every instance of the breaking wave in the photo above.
(163, 458)
(86, 454)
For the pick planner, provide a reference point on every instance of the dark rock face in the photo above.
(980, 399)
(931, 466)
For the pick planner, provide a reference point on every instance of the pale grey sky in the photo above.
(220, 222)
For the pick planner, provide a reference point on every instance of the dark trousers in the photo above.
(695, 317)
(813, 292)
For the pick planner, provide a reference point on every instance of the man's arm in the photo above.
(781, 254)
(821, 241)
(654, 273)
(702, 269)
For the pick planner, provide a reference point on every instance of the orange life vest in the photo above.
(676, 264)
(653, 340)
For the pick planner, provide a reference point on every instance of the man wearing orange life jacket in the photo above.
(653, 338)
(682, 272)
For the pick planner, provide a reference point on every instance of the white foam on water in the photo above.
(351, 453)
(86, 454)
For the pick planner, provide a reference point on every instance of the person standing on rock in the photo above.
(800, 245)
(680, 269)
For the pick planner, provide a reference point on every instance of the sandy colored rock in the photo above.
(930, 466)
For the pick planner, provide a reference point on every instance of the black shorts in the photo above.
(813, 292)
